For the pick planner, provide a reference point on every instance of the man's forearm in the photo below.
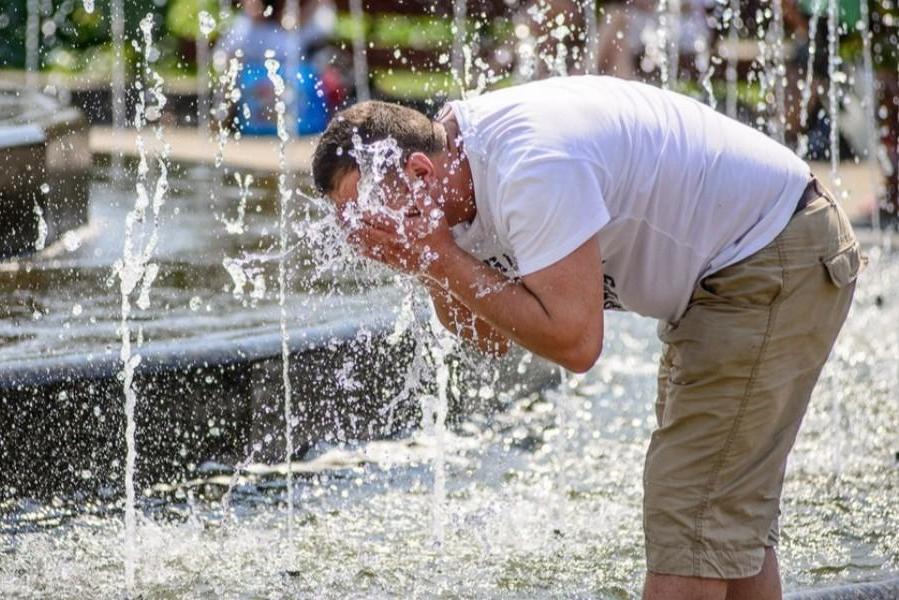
(511, 308)
(457, 318)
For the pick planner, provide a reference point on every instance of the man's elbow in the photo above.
(581, 357)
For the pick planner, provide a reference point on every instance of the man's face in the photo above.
(344, 193)
(394, 197)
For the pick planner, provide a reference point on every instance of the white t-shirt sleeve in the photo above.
(547, 209)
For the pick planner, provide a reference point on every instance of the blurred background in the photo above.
(767, 62)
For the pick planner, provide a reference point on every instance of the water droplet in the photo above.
(89, 6)
(71, 240)
(207, 23)
(195, 303)
(77, 310)
(42, 229)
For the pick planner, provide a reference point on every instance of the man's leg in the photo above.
(764, 586)
(675, 587)
(737, 373)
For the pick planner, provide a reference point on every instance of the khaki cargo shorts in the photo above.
(735, 378)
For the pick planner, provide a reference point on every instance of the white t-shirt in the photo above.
(676, 190)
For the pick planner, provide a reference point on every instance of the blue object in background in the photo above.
(258, 94)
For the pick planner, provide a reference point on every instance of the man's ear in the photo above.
(419, 166)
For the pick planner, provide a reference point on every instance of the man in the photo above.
(529, 210)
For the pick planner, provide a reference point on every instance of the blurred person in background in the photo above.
(629, 34)
(262, 31)
(261, 27)
(551, 29)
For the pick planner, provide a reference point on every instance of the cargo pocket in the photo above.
(845, 266)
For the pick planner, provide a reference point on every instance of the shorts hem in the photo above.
(704, 562)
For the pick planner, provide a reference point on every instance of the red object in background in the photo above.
(333, 87)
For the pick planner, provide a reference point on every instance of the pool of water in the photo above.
(543, 499)
(65, 300)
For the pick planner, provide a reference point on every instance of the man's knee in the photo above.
(675, 587)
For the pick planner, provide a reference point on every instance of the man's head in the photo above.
(335, 170)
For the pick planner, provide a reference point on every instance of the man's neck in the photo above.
(459, 205)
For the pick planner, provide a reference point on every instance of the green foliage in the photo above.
(885, 33)
(402, 31)
(183, 17)
(346, 28)
(414, 86)
(12, 34)
(70, 36)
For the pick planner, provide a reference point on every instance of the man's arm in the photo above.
(457, 318)
(556, 312)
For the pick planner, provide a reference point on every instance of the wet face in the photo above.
(396, 194)
(344, 193)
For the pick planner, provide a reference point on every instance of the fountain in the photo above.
(734, 24)
(322, 415)
(33, 43)
(117, 81)
(43, 183)
(360, 62)
(834, 77)
(284, 196)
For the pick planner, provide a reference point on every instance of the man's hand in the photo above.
(409, 241)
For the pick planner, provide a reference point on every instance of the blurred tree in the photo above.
(66, 28)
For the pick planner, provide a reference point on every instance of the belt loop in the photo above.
(820, 189)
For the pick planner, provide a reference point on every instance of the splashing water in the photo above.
(592, 38)
(732, 16)
(117, 26)
(227, 512)
(806, 93)
(32, 43)
(135, 268)
(206, 23)
(778, 72)
(375, 161)
(835, 77)
(707, 82)
(434, 411)
(566, 432)
(360, 60)
(460, 33)
(41, 240)
(244, 272)
(284, 194)
(237, 226)
(89, 6)
(868, 99)
(228, 93)
(663, 42)
(672, 37)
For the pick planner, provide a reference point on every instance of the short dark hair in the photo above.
(372, 121)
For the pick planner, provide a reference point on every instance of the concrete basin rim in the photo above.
(173, 355)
